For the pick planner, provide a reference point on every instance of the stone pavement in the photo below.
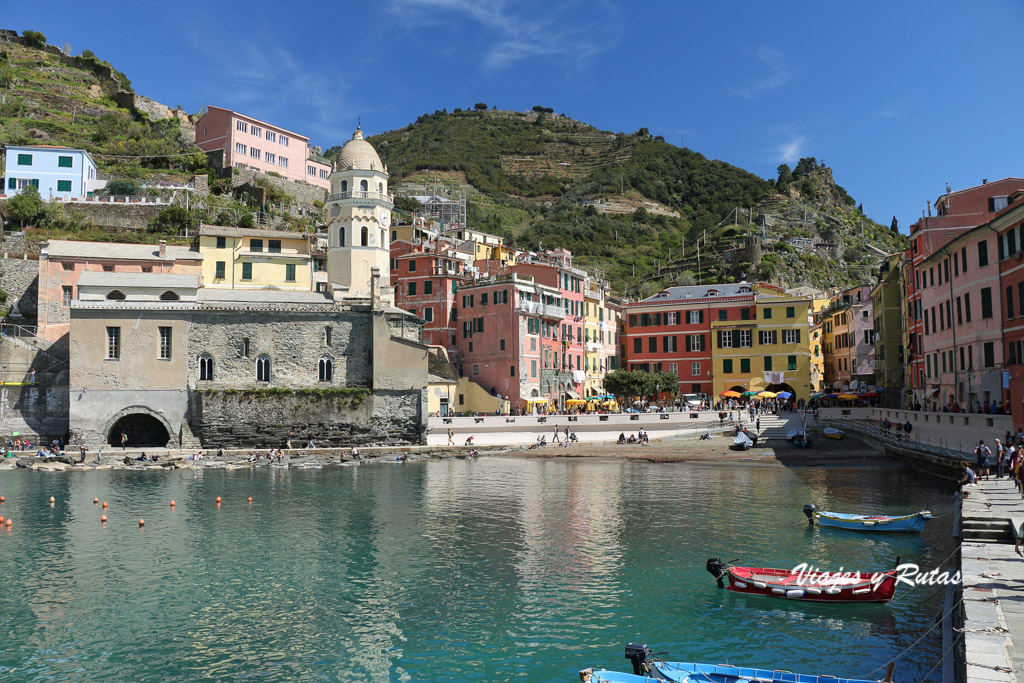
(993, 584)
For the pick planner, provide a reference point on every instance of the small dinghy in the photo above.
(805, 586)
(649, 669)
(833, 433)
(840, 520)
(742, 442)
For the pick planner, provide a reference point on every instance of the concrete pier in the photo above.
(992, 617)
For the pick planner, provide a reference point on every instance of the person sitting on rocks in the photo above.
(622, 439)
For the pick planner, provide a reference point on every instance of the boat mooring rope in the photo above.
(915, 643)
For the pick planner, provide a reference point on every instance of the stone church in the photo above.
(166, 361)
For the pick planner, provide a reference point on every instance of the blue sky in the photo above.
(897, 97)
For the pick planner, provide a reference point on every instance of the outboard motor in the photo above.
(716, 568)
(809, 512)
(638, 654)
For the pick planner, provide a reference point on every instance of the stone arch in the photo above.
(139, 421)
(344, 186)
(169, 296)
(115, 295)
(364, 186)
(364, 237)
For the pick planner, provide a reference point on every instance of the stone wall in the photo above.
(304, 194)
(119, 216)
(38, 412)
(264, 420)
(294, 342)
(19, 277)
(15, 242)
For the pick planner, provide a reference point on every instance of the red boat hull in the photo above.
(813, 586)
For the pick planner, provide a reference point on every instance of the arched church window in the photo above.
(263, 368)
(383, 238)
(326, 369)
(205, 367)
(344, 186)
(365, 237)
(363, 185)
(380, 188)
(341, 237)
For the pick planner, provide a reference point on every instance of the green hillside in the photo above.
(633, 206)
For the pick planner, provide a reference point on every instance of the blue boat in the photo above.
(647, 669)
(840, 520)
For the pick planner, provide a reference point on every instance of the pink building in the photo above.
(508, 337)
(960, 306)
(251, 143)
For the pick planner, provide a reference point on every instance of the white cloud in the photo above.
(791, 151)
(778, 77)
(520, 30)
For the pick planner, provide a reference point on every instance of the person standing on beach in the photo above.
(555, 438)
(124, 440)
(451, 438)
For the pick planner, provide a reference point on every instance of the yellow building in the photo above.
(243, 258)
(594, 359)
(488, 247)
(761, 343)
(816, 343)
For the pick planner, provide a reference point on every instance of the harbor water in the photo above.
(498, 569)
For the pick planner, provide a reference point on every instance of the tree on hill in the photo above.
(804, 167)
(894, 226)
(26, 206)
(785, 177)
(480, 106)
(34, 39)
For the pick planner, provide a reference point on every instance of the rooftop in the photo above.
(699, 292)
(154, 280)
(261, 296)
(116, 251)
(230, 231)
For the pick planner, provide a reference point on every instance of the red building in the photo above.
(671, 330)
(426, 278)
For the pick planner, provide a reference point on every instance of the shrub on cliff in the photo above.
(173, 220)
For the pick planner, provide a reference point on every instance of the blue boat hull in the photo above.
(838, 520)
(687, 672)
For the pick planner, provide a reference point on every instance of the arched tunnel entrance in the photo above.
(142, 430)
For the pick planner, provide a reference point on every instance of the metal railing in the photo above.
(335, 196)
(895, 436)
(12, 330)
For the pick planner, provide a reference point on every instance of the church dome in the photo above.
(359, 154)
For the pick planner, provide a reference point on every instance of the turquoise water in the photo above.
(495, 570)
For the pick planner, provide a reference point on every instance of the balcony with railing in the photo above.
(379, 196)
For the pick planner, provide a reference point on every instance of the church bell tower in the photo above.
(359, 223)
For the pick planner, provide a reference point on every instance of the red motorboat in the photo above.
(806, 584)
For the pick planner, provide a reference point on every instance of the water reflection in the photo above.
(449, 570)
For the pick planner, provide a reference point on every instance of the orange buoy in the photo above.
(52, 499)
(8, 522)
(103, 518)
(95, 500)
(172, 503)
(104, 505)
(218, 500)
(250, 499)
(142, 522)
(1, 519)
(2, 499)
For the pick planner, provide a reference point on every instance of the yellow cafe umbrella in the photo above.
(847, 397)
(767, 394)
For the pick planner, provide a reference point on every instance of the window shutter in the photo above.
(700, 315)
(797, 336)
(735, 339)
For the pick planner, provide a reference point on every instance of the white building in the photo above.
(57, 172)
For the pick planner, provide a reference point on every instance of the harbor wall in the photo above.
(952, 431)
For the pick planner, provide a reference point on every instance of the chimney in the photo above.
(929, 208)
(163, 248)
(984, 181)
